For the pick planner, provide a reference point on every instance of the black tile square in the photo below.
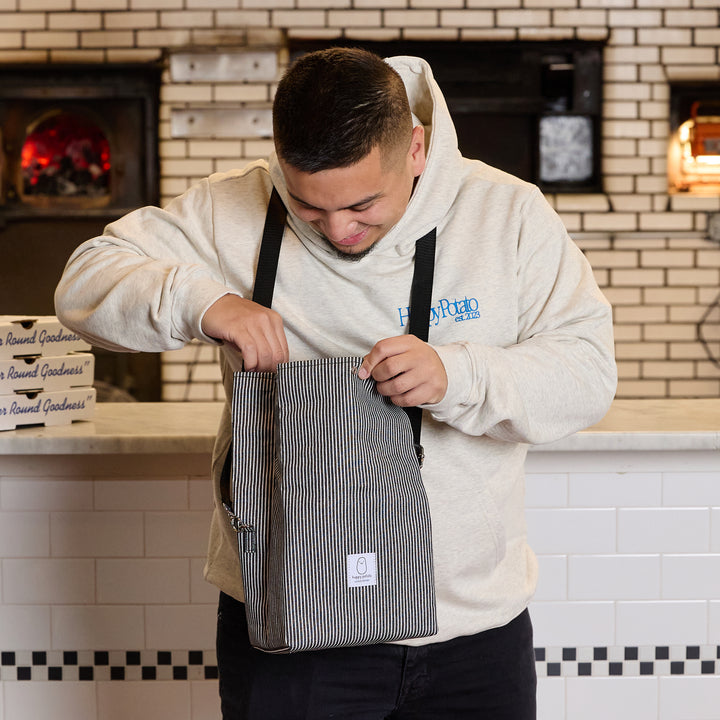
(540, 654)
(677, 667)
(24, 673)
(647, 668)
(149, 673)
(195, 657)
(164, 658)
(553, 669)
(180, 672)
(39, 658)
(70, 658)
(631, 653)
(600, 653)
(117, 672)
(584, 668)
(55, 673)
(102, 657)
(569, 654)
(7, 658)
(707, 667)
(662, 653)
(86, 673)
(211, 672)
(132, 657)
(692, 652)
(615, 668)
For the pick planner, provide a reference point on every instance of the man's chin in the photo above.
(350, 253)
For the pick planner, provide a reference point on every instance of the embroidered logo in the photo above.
(458, 309)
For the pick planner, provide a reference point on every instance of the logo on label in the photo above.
(362, 570)
(457, 309)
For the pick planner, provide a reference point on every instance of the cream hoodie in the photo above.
(522, 329)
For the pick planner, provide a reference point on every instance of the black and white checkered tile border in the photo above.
(628, 661)
(202, 664)
(112, 665)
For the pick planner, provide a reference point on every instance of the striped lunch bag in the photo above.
(322, 484)
(333, 522)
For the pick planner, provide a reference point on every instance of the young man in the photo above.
(520, 351)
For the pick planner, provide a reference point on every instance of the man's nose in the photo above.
(339, 225)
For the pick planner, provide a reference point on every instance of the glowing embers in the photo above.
(66, 156)
(694, 158)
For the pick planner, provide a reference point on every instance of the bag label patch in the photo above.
(362, 569)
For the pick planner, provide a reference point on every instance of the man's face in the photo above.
(353, 207)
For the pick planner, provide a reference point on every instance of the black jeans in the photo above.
(489, 676)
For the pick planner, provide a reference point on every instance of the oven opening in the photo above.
(65, 156)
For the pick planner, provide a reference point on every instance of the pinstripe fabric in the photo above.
(325, 470)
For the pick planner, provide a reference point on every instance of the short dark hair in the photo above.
(332, 107)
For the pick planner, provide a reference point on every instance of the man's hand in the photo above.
(407, 370)
(253, 329)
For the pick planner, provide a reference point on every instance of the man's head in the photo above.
(346, 145)
(333, 106)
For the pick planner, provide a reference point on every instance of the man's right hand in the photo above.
(256, 331)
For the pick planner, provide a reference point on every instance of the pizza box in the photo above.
(46, 408)
(40, 373)
(39, 335)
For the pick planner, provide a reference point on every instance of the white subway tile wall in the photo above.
(101, 581)
(627, 621)
(104, 608)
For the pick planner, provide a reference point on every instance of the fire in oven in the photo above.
(78, 140)
(65, 155)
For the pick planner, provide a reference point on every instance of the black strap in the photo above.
(421, 291)
(269, 251)
(420, 307)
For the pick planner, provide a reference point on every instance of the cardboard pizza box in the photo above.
(39, 335)
(39, 373)
(46, 408)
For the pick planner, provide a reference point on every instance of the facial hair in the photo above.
(348, 257)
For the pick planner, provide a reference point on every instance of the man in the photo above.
(520, 351)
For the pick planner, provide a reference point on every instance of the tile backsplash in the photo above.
(104, 613)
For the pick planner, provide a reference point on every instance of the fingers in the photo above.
(256, 331)
(263, 343)
(383, 352)
(407, 370)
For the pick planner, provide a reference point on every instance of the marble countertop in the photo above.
(123, 428)
(190, 427)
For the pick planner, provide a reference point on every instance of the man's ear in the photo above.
(417, 150)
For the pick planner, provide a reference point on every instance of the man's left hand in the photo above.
(407, 370)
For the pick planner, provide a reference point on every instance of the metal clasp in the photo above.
(420, 451)
(248, 543)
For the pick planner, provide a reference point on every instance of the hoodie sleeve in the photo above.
(145, 284)
(560, 375)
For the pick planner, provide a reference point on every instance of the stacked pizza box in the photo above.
(46, 373)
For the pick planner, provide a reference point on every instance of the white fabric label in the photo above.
(362, 569)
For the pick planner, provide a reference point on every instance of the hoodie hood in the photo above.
(437, 186)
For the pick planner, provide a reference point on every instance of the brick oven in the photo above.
(79, 149)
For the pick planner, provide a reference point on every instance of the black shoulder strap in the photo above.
(269, 251)
(420, 307)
